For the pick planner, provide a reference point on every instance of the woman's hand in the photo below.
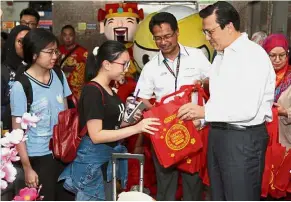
(281, 110)
(31, 178)
(145, 125)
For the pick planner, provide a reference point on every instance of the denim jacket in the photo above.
(84, 175)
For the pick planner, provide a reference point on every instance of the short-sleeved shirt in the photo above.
(156, 78)
(48, 101)
(91, 107)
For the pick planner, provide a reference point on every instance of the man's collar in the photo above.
(183, 51)
(238, 43)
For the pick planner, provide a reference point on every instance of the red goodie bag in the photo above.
(196, 161)
(175, 139)
(66, 135)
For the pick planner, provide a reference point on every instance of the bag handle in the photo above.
(85, 129)
(188, 89)
(201, 94)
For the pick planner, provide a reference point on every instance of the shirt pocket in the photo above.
(164, 80)
(189, 76)
(41, 109)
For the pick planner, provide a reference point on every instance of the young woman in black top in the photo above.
(89, 174)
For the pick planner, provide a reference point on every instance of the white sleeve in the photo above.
(145, 84)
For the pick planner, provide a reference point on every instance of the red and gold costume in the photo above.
(74, 68)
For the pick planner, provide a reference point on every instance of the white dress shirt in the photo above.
(156, 79)
(242, 85)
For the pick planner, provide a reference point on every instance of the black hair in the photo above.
(225, 13)
(4, 36)
(9, 55)
(163, 17)
(109, 50)
(30, 11)
(68, 27)
(34, 41)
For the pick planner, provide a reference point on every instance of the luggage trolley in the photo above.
(115, 157)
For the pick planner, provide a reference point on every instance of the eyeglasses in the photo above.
(160, 38)
(29, 24)
(51, 52)
(281, 56)
(210, 32)
(125, 65)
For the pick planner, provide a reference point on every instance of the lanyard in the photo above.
(171, 71)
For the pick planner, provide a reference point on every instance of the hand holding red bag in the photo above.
(196, 161)
(175, 138)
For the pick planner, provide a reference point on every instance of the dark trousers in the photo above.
(48, 170)
(236, 162)
(167, 183)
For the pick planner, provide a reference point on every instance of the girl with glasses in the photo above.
(49, 94)
(101, 110)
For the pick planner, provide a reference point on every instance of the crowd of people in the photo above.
(246, 80)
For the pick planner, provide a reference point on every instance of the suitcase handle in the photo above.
(139, 157)
(116, 156)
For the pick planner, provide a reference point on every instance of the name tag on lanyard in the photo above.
(171, 71)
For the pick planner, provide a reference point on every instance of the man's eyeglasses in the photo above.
(160, 38)
(210, 32)
(281, 56)
(51, 52)
(29, 24)
(125, 65)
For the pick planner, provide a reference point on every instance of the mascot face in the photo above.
(119, 21)
(120, 28)
(190, 34)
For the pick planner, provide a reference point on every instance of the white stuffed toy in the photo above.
(134, 196)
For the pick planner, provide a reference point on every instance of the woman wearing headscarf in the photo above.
(276, 45)
(13, 59)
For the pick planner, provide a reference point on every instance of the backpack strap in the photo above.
(91, 83)
(24, 80)
(59, 73)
